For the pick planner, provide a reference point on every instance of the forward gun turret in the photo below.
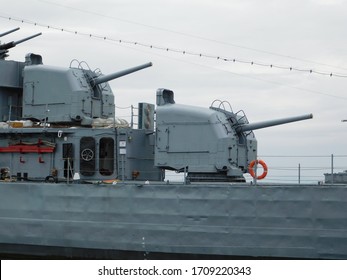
(72, 95)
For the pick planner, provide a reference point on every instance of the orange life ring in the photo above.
(251, 170)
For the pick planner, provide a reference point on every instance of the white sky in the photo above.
(307, 34)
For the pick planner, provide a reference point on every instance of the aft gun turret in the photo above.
(209, 144)
(264, 124)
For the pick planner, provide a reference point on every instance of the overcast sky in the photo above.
(304, 34)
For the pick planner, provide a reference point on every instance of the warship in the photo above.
(78, 182)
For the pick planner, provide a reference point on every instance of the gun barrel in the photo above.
(8, 32)
(27, 38)
(259, 125)
(116, 75)
(14, 43)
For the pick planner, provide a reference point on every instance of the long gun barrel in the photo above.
(106, 78)
(259, 125)
(14, 43)
(8, 32)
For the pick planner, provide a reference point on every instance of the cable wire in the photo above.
(187, 34)
(179, 51)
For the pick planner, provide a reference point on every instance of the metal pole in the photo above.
(10, 107)
(114, 116)
(332, 169)
(10, 113)
(123, 168)
(299, 174)
(132, 117)
(68, 171)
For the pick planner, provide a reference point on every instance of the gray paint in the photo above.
(229, 219)
(139, 145)
(211, 143)
(139, 211)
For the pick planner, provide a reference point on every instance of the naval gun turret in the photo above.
(210, 144)
(72, 95)
(11, 80)
(69, 95)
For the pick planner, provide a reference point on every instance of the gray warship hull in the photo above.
(58, 128)
(222, 219)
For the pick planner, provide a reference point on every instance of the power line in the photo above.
(188, 34)
(179, 51)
